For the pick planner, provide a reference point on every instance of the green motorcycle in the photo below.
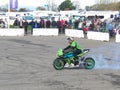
(68, 58)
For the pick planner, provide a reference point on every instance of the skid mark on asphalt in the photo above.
(115, 79)
(29, 43)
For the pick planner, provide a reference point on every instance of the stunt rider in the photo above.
(74, 47)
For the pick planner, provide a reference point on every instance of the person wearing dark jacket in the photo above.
(16, 23)
(32, 23)
(25, 26)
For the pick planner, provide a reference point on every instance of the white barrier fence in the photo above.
(117, 39)
(74, 33)
(98, 36)
(54, 32)
(45, 32)
(12, 32)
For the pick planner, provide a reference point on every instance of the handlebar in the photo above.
(86, 50)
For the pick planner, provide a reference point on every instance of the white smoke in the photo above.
(107, 56)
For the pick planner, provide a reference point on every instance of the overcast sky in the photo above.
(35, 3)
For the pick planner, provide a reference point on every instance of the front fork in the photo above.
(81, 60)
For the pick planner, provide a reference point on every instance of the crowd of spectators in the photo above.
(86, 24)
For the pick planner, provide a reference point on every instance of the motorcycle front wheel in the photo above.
(89, 63)
(58, 64)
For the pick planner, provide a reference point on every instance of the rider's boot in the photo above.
(76, 61)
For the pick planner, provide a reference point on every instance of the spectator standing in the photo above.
(21, 23)
(91, 27)
(6, 23)
(2, 23)
(98, 27)
(110, 29)
(62, 26)
(36, 24)
(73, 21)
(48, 23)
(76, 23)
(80, 25)
(103, 27)
(32, 23)
(54, 24)
(42, 23)
(85, 29)
(59, 26)
(70, 24)
(16, 23)
(25, 26)
(95, 25)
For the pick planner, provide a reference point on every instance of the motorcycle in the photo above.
(68, 58)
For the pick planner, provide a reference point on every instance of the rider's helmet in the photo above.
(70, 38)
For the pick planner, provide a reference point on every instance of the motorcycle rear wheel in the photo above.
(89, 63)
(58, 64)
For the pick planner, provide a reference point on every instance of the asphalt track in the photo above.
(26, 64)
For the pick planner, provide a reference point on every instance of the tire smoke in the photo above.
(107, 56)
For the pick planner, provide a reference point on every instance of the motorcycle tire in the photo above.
(89, 63)
(58, 64)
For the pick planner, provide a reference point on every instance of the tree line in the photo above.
(104, 7)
